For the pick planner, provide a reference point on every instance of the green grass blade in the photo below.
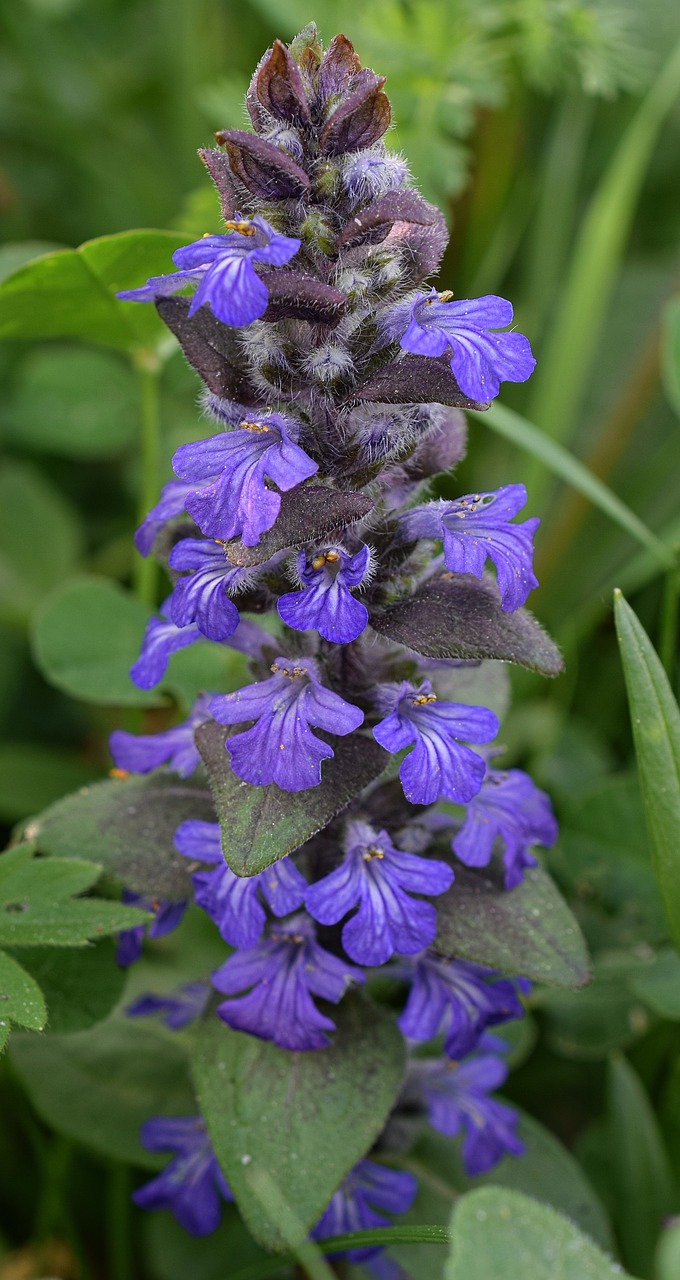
(567, 359)
(382, 1237)
(513, 427)
(655, 718)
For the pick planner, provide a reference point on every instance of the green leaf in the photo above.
(33, 517)
(16, 253)
(21, 999)
(33, 776)
(504, 1233)
(670, 353)
(655, 719)
(522, 433)
(81, 986)
(177, 1255)
(588, 1025)
(99, 1086)
(658, 985)
(668, 1254)
(72, 402)
(86, 636)
(302, 1118)
(127, 826)
(71, 293)
(528, 930)
(37, 908)
(262, 824)
(640, 1176)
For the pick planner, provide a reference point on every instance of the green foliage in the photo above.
(656, 731)
(34, 516)
(301, 1119)
(80, 987)
(22, 999)
(33, 776)
(496, 1232)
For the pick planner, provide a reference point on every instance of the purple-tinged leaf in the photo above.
(360, 119)
(279, 86)
(308, 514)
(262, 824)
(423, 247)
(373, 223)
(295, 295)
(339, 64)
(266, 170)
(209, 346)
(217, 165)
(416, 380)
(528, 930)
(456, 616)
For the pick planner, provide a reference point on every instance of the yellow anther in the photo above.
(254, 426)
(372, 852)
(120, 774)
(423, 699)
(244, 227)
(332, 556)
(319, 561)
(446, 295)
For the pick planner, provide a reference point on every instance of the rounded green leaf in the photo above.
(21, 999)
(40, 538)
(72, 402)
(33, 775)
(80, 987)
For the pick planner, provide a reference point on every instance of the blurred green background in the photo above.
(549, 131)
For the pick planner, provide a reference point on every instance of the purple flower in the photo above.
(223, 268)
(457, 1098)
(438, 765)
(284, 972)
(171, 503)
(178, 1009)
(509, 807)
(378, 879)
(191, 1185)
(368, 1187)
(480, 359)
(140, 753)
(326, 603)
(463, 997)
(201, 596)
(476, 528)
(161, 639)
(167, 916)
(233, 901)
(281, 747)
(239, 502)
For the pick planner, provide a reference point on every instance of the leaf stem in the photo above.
(148, 368)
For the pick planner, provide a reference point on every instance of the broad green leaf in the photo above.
(177, 1255)
(670, 353)
(643, 1192)
(127, 826)
(99, 1086)
(5, 1028)
(80, 987)
(86, 636)
(33, 776)
(37, 907)
(655, 719)
(588, 1025)
(72, 402)
(262, 824)
(528, 930)
(40, 538)
(504, 1233)
(72, 293)
(21, 999)
(302, 1118)
(658, 985)
(522, 433)
(16, 253)
(668, 1254)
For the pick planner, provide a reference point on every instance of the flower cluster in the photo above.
(335, 382)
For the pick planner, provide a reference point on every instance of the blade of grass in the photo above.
(378, 1237)
(557, 460)
(567, 359)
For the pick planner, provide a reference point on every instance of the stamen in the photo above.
(119, 774)
(423, 699)
(446, 295)
(242, 226)
(373, 851)
(254, 426)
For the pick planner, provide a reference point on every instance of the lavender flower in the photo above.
(167, 916)
(326, 603)
(233, 901)
(480, 359)
(223, 267)
(171, 503)
(378, 879)
(238, 502)
(439, 764)
(457, 1099)
(462, 997)
(281, 747)
(284, 972)
(511, 808)
(177, 1009)
(476, 528)
(367, 1188)
(176, 747)
(162, 638)
(201, 596)
(192, 1184)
